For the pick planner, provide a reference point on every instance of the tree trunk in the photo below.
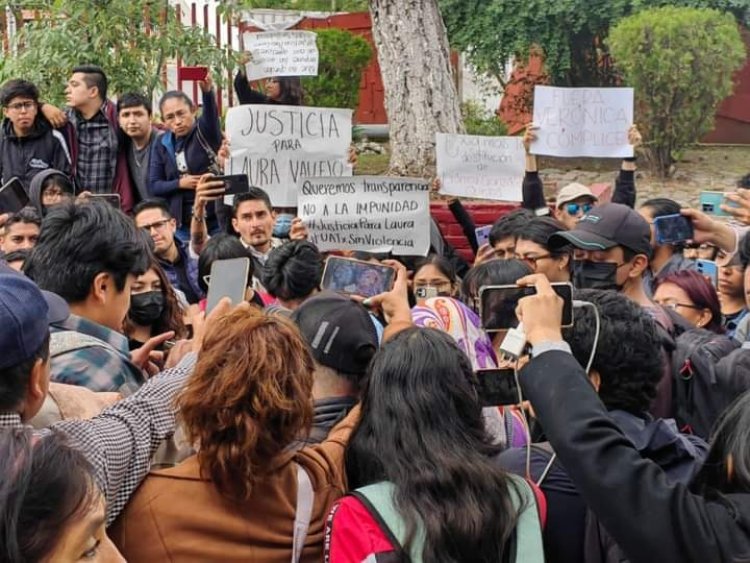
(420, 96)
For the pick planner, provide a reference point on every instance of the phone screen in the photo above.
(13, 196)
(671, 229)
(228, 279)
(497, 387)
(357, 278)
(112, 199)
(498, 304)
(235, 184)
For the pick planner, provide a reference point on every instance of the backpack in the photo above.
(527, 545)
(709, 372)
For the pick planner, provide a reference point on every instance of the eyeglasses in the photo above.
(532, 260)
(22, 106)
(574, 208)
(159, 225)
(675, 306)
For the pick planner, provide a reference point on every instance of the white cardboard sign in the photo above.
(281, 53)
(583, 121)
(277, 146)
(480, 167)
(368, 213)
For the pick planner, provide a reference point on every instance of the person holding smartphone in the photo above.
(649, 515)
(665, 259)
(184, 153)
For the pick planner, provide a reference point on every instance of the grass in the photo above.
(372, 164)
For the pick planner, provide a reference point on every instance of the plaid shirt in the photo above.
(103, 366)
(120, 442)
(96, 150)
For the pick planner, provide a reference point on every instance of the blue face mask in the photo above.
(283, 225)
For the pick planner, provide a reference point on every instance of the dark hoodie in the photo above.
(24, 157)
(35, 189)
(679, 455)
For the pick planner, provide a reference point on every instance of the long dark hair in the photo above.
(46, 483)
(292, 93)
(730, 437)
(422, 430)
(171, 316)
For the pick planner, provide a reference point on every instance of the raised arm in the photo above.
(245, 93)
(625, 182)
(533, 189)
(650, 519)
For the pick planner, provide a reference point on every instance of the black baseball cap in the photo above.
(340, 332)
(607, 226)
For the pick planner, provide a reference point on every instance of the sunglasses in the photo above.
(574, 208)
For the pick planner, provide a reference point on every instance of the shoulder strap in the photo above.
(212, 156)
(305, 499)
(529, 546)
(379, 497)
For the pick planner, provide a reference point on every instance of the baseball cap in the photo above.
(339, 332)
(25, 315)
(606, 226)
(572, 192)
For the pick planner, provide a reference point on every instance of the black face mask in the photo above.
(595, 275)
(146, 308)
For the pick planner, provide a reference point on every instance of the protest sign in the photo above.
(369, 213)
(480, 167)
(277, 146)
(281, 53)
(583, 121)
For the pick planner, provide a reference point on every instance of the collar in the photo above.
(10, 420)
(262, 256)
(85, 326)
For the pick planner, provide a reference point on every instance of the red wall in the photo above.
(482, 213)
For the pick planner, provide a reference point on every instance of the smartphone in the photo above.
(194, 73)
(13, 196)
(497, 304)
(482, 235)
(709, 269)
(426, 292)
(354, 277)
(671, 229)
(228, 279)
(235, 183)
(112, 199)
(497, 387)
(710, 203)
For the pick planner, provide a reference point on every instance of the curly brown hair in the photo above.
(249, 397)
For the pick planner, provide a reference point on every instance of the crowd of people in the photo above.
(304, 424)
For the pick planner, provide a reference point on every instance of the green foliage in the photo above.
(130, 39)
(570, 32)
(479, 121)
(680, 62)
(343, 57)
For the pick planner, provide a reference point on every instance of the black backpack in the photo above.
(710, 371)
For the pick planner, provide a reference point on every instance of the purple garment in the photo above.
(455, 318)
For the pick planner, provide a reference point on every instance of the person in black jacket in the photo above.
(282, 90)
(625, 369)
(650, 518)
(28, 143)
